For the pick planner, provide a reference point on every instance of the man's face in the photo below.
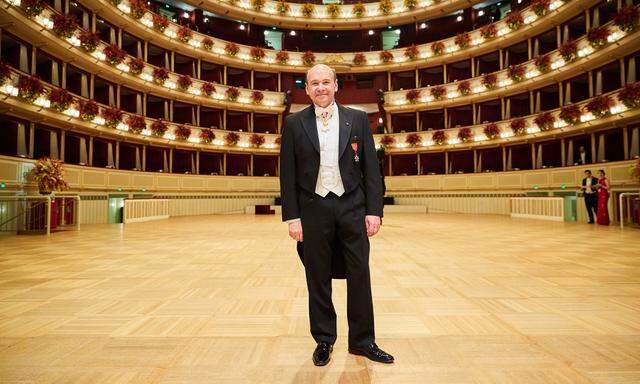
(321, 86)
(587, 174)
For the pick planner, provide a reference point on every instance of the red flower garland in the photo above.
(64, 25)
(462, 40)
(32, 8)
(437, 48)
(160, 22)
(597, 36)
(138, 8)
(438, 92)
(464, 87)
(282, 57)
(543, 63)
(516, 72)
(411, 52)
(136, 65)
(540, 7)
(489, 31)
(627, 18)
(489, 80)
(514, 20)
(569, 50)
(184, 34)
(387, 140)
(89, 41)
(207, 43)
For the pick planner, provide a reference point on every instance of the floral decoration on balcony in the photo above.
(307, 9)
(257, 5)
(489, 31)
(437, 48)
(540, 7)
(465, 135)
(136, 65)
(544, 121)
(413, 139)
(597, 36)
(257, 53)
(543, 63)
(385, 7)
(207, 43)
(386, 56)
(627, 18)
(88, 109)
(159, 128)
(32, 8)
(308, 58)
(600, 106)
(334, 10)
(359, 59)
(231, 138)
(569, 51)
(184, 82)
(182, 132)
(138, 8)
(231, 49)
(282, 57)
(283, 8)
(359, 9)
(489, 80)
(184, 34)
(518, 126)
(256, 140)
(257, 97)
(160, 23)
(570, 114)
(89, 41)
(410, 4)
(411, 52)
(160, 75)
(232, 93)
(112, 116)
(64, 25)
(30, 88)
(387, 140)
(114, 54)
(462, 40)
(207, 89)
(514, 20)
(207, 135)
(49, 174)
(492, 131)
(464, 87)
(438, 92)
(60, 99)
(516, 72)
(630, 95)
(439, 137)
(136, 124)
(5, 72)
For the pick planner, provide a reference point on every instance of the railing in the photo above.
(626, 204)
(543, 208)
(39, 214)
(136, 210)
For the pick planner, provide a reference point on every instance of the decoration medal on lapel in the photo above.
(354, 146)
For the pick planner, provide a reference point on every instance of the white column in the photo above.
(507, 109)
(509, 167)
(84, 86)
(53, 145)
(110, 159)
(112, 95)
(567, 94)
(193, 164)
(22, 141)
(138, 162)
(570, 159)
(112, 36)
(595, 22)
(139, 109)
(55, 73)
(538, 101)
(539, 157)
(165, 161)
(24, 59)
(631, 70)
(601, 147)
(598, 83)
(83, 151)
(635, 143)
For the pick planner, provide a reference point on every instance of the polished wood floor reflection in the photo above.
(222, 299)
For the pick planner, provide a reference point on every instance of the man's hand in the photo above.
(373, 224)
(295, 230)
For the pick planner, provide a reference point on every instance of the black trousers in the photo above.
(591, 201)
(323, 221)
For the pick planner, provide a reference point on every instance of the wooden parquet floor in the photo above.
(222, 299)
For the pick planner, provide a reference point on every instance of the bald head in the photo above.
(321, 85)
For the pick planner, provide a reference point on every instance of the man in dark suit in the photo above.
(590, 194)
(332, 193)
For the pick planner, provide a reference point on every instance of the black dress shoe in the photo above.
(322, 354)
(372, 352)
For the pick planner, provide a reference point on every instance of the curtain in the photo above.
(53, 145)
(22, 141)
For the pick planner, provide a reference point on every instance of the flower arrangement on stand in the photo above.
(138, 8)
(32, 8)
(359, 9)
(387, 141)
(257, 97)
(231, 138)
(184, 34)
(540, 7)
(184, 82)
(207, 89)
(60, 99)
(629, 95)
(160, 75)
(182, 132)
(385, 6)
(600, 106)
(207, 43)
(359, 59)
(516, 72)
(231, 49)
(159, 128)
(333, 10)
(49, 174)
(88, 109)
(256, 140)
(136, 124)
(29, 88)
(207, 135)
(232, 93)
(386, 56)
(282, 57)
(514, 20)
(437, 48)
(464, 87)
(307, 9)
(413, 139)
(112, 116)
(518, 126)
(490, 80)
(465, 134)
(491, 131)
(543, 63)
(160, 22)
(412, 95)
(89, 41)
(569, 51)
(136, 65)
(627, 18)
(489, 31)
(439, 137)
(283, 8)
(597, 36)
(544, 121)
(114, 54)
(64, 25)
(438, 92)
(462, 40)
(570, 114)
(308, 58)
(411, 52)
(257, 53)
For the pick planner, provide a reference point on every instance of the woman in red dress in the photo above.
(603, 199)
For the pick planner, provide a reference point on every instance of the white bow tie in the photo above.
(325, 115)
